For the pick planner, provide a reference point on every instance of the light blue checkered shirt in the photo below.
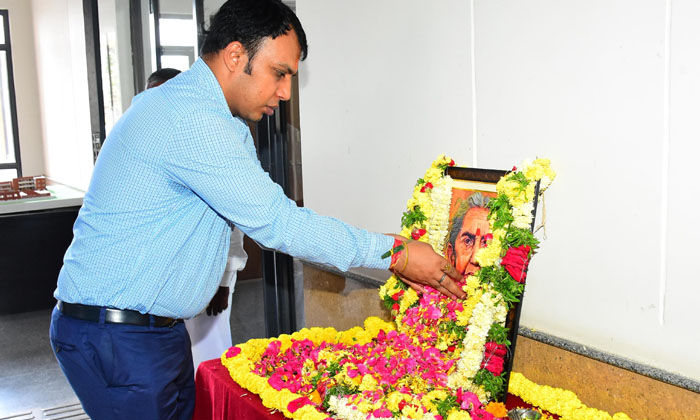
(152, 234)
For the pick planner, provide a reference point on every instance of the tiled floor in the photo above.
(32, 385)
(29, 375)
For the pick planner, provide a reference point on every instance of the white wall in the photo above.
(59, 37)
(26, 91)
(607, 89)
(372, 67)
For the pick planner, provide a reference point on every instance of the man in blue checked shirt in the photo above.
(151, 240)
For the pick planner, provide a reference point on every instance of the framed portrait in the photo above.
(468, 231)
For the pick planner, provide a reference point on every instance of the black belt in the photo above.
(114, 316)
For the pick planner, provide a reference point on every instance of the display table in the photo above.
(219, 397)
(35, 235)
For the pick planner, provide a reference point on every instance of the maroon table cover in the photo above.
(220, 398)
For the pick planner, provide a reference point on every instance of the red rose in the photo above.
(492, 348)
(417, 233)
(493, 364)
(516, 261)
(427, 186)
(514, 169)
(395, 307)
(452, 162)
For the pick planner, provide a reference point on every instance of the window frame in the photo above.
(7, 46)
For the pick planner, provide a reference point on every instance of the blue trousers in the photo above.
(121, 371)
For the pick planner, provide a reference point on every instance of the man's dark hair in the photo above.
(161, 76)
(250, 22)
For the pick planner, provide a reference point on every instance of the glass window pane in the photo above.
(2, 29)
(177, 32)
(180, 62)
(7, 174)
(7, 143)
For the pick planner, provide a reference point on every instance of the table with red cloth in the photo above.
(219, 397)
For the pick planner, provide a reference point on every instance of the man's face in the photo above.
(470, 239)
(250, 96)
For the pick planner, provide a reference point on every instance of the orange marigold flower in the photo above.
(497, 409)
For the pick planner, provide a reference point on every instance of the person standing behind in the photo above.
(151, 239)
(210, 330)
(161, 76)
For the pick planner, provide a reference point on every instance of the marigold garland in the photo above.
(556, 400)
(436, 360)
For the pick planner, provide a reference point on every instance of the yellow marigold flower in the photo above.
(458, 415)
(393, 400)
(587, 413)
(437, 394)
(364, 406)
(432, 175)
(492, 253)
(507, 186)
(412, 412)
(368, 383)
(308, 366)
(389, 287)
(308, 412)
(424, 202)
(465, 314)
(538, 169)
(472, 284)
(374, 324)
(409, 298)
(349, 336)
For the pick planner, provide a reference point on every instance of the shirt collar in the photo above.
(208, 81)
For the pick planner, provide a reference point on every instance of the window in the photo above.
(177, 40)
(10, 165)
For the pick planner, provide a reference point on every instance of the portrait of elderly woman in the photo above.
(468, 228)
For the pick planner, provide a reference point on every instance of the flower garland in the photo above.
(440, 358)
(556, 400)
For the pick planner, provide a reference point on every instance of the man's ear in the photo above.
(234, 56)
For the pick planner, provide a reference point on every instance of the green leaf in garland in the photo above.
(517, 237)
(500, 212)
(499, 279)
(413, 217)
(491, 383)
(446, 405)
(388, 301)
(498, 334)
(451, 327)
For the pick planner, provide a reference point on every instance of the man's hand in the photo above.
(425, 267)
(219, 302)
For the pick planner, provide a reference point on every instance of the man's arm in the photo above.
(237, 258)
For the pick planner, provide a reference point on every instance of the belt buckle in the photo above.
(173, 322)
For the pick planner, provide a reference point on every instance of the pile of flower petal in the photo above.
(438, 359)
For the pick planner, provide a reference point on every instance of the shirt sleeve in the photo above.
(213, 155)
